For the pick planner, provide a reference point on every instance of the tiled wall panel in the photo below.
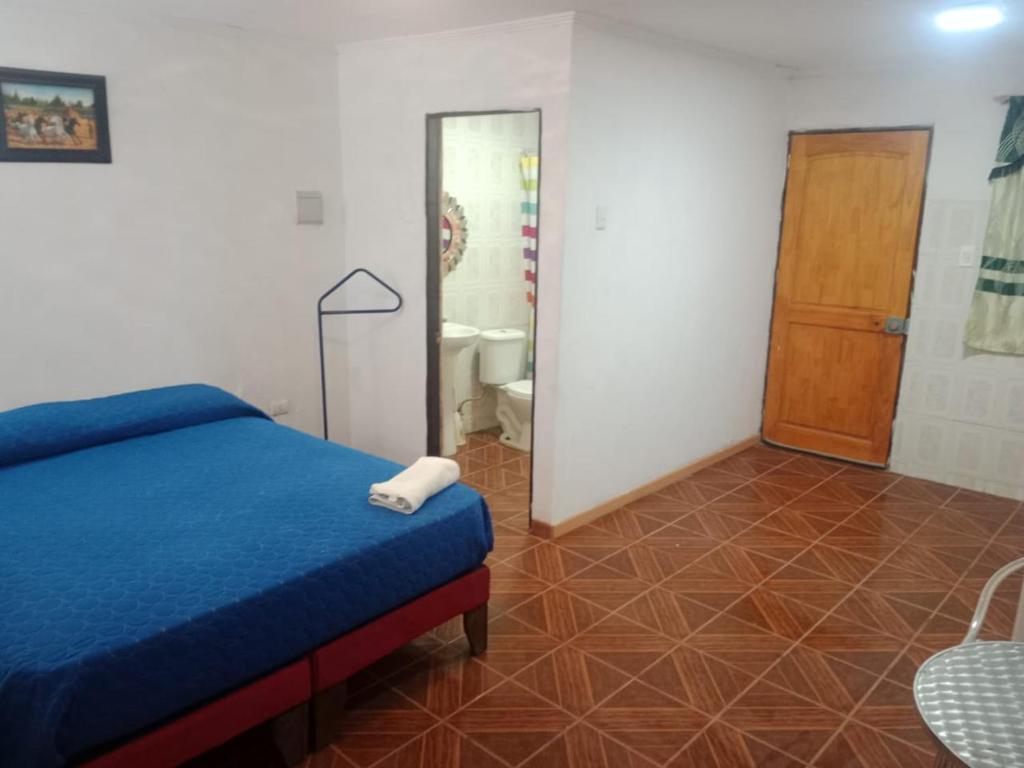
(960, 417)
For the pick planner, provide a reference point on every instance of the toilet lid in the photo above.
(522, 388)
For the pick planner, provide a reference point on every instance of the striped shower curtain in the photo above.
(529, 167)
(995, 322)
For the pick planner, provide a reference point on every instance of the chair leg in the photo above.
(474, 623)
(328, 714)
(1018, 624)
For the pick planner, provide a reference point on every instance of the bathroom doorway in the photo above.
(483, 184)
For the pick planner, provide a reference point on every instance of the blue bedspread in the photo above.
(163, 547)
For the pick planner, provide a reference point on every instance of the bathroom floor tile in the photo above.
(648, 721)
(822, 679)
(605, 586)
(859, 746)
(709, 523)
(787, 722)
(668, 613)
(572, 679)
(624, 644)
(808, 586)
(719, 746)
(549, 562)
(739, 644)
(697, 679)
(660, 555)
(585, 747)
(510, 587)
(513, 644)
(511, 722)
(662, 507)
(559, 613)
(510, 540)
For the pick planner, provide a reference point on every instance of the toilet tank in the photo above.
(502, 353)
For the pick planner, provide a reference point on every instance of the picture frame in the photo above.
(53, 117)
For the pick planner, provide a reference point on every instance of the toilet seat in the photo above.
(522, 389)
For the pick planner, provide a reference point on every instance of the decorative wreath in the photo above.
(453, 233)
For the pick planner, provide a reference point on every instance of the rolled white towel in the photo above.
(406, 491)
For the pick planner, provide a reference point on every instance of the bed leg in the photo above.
(474, 622)
(291, 734)
(328, 716)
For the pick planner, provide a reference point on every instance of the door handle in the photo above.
(897, 326)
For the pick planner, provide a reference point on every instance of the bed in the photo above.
(167, 550)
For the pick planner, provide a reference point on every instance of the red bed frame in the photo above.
(318, 677)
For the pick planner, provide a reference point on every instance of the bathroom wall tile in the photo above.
(954, 283)
(964, 223)
(472, 309)
(917, 341)
(937, 388)
(970, 451)
(946, 340)
(498, 174)
(1015, 405)
(520, 124)
(933, 226)
(977, 399)
(1010, 459)
(472, 208)
(960, 415)
(926, 441)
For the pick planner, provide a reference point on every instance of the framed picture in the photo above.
(53, 117)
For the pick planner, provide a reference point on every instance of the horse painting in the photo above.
(49, 117)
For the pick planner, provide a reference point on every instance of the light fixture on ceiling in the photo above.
(967, 18)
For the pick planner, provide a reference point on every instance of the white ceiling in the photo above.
(804, 34)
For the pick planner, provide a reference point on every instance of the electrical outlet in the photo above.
(278, 407)
(967, 256)
(601, 217)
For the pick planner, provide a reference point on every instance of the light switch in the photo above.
(310, 207)
(967, 256)
(601, 217)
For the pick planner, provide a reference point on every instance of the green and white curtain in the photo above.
(995, 322)
(529, 167)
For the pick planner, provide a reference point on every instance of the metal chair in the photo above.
(971, 696)
(985, 599)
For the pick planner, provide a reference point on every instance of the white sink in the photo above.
(455, 337)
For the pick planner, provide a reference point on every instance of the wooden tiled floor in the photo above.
(768, 611)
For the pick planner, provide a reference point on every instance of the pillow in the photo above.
(49, 429)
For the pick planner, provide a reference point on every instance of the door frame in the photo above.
(930, 130)
(434, 179)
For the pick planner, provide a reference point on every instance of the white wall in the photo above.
(387, 88)
(480, 168)
(959, 419)
(181, 260)
(664, 320)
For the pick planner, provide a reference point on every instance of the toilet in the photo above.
(502, 363)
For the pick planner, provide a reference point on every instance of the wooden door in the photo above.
(846, 258)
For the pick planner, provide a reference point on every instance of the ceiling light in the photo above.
(967, 18)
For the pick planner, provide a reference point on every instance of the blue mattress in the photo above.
(160, 548)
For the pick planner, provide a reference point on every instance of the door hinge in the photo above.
(898, 326)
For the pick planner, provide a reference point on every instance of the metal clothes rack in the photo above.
(320, 312)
